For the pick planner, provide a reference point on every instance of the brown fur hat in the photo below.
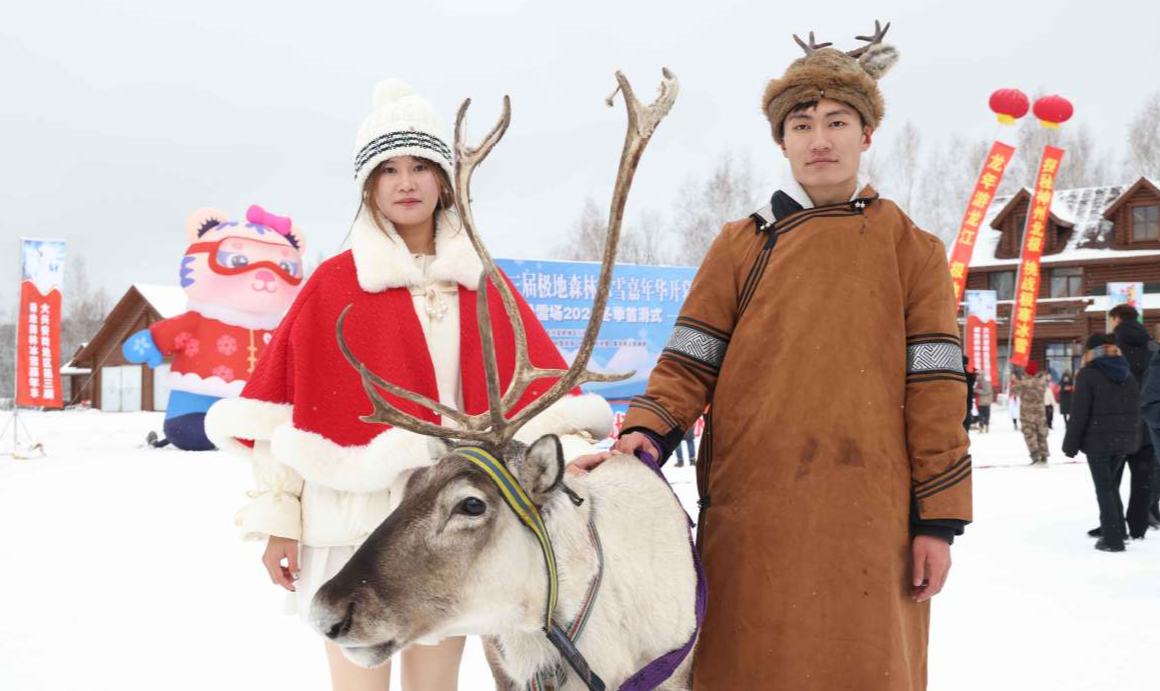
(851, 78)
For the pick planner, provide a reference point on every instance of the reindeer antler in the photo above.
(879, 34)
(494, 428)
(811, 47)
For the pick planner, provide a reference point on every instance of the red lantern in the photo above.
(1052, 111)
(1009, 105)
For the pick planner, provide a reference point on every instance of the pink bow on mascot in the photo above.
(240, 278)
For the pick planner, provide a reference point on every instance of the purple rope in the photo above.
(656, 672)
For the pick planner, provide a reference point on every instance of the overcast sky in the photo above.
(118, 119)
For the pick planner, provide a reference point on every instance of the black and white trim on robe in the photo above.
(934, 356)
(697, 344)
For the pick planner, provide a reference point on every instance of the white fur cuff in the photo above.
(231, 419)
(270, 513)
(370, 468)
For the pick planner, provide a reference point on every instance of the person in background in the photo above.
(1013, 405)
(1049, 406)
(984, 398)
(972, 376)
(1066, 386)
(1032, 412)
(1133, 340)
(1150, 411)
(688, 444)
(1105, 425)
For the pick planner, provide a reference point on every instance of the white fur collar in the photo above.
(794, 189)
(382, 260)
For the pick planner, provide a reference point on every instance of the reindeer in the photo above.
(620, 582)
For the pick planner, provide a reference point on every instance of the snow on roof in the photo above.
(169, 301)
(1082, 207)
(1149, 301)
(70, 370)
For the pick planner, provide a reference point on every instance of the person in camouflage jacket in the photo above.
(1031, 389)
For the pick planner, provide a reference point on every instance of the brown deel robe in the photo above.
(837, 402)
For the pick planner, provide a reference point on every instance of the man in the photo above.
(1134, 342)
(1150, 411)
(1105, 425)
(833, 474)
(1031, 389)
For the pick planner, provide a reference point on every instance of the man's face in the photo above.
(824, 144)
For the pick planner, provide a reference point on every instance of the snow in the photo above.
(1149, 301)
(169, 301)
(1081, 207)
(122, 570)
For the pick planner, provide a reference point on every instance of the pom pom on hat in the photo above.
(403, 123)
(390, 90)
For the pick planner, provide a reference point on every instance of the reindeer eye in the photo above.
(472, 506)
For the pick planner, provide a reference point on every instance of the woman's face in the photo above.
(407, 190)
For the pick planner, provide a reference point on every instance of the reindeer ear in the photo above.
(200, 221)
(542, 468)
(437, 447)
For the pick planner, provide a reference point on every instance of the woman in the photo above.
(325, 479)
(1105, 425)
(1066, 387)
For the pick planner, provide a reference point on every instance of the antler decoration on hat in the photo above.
(871, 41)
(811, 47)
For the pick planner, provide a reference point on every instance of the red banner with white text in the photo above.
(980, 201)
(38, 324)
(1034, 238)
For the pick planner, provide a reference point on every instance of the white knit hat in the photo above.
(402, 124)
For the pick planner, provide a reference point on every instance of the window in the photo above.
(1063, 357)
(1003, 283)
(1145, 223)
(1003, 351)
(1066, 283)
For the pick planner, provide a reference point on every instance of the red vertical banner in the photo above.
(38, 324)
(980, 201)
(982, 334)
(1034, 238)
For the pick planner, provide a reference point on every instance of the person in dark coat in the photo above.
(1134, 342)
(1150, 411)
(1066, 386)
(1105, 425)
(972, 376)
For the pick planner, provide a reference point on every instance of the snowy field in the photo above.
(121, 570)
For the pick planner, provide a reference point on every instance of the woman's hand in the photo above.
(281, 561)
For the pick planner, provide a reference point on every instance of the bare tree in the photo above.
(1144, 139)
(947, 180)
(647, 242)
(703, 206)
(898, 170)
(1084, 164)
(84, 309)
(586, 241)
(7, 358)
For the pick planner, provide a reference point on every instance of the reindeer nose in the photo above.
(342, 627)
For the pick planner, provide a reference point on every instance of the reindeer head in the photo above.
(443, 562)
(452, 557)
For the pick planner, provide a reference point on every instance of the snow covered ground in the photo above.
(120, 569)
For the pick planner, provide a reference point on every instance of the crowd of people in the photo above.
(1111, 413)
